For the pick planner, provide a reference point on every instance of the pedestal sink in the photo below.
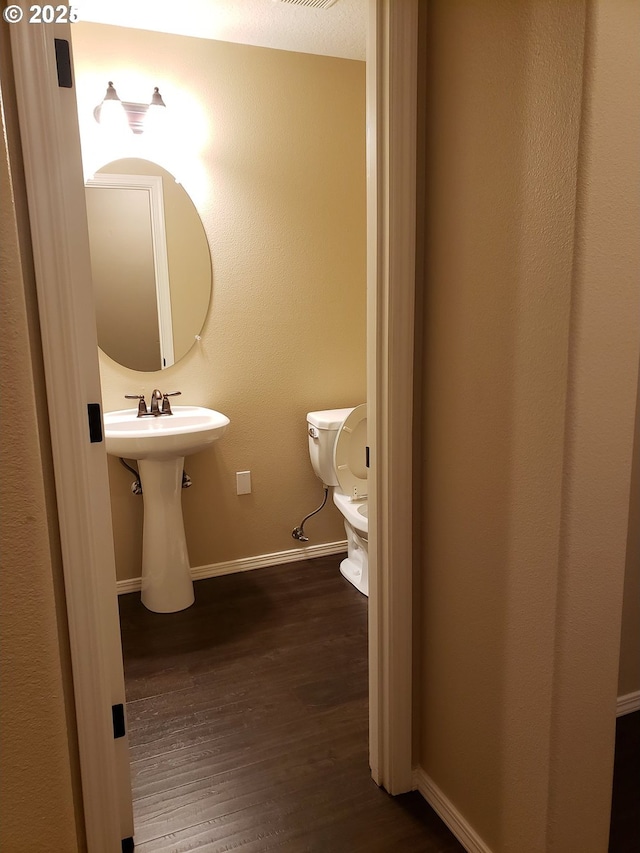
(159, 444)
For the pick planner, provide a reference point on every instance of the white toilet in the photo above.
(338, 448)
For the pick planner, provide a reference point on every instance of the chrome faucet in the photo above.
(160, 404)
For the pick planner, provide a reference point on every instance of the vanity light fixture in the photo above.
(117, 115)
(156, 113)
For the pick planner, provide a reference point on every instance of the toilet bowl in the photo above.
(338, 451)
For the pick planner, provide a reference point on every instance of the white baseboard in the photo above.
(445, 809)
(628, 703)
(248, 564)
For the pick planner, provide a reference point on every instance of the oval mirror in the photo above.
(150, 263)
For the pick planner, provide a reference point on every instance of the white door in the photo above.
(55, 191)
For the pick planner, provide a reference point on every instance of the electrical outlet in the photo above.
(243, 482)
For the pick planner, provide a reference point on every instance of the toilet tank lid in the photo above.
(329, 418)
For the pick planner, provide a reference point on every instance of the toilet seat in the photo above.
(350, 454)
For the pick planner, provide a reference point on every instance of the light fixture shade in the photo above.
(155, 120)
(156, 98)
(111, 94)
(112, 114)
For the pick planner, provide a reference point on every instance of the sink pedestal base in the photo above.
(166, 577)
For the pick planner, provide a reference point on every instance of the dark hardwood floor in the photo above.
(625, 806)
(247, 718)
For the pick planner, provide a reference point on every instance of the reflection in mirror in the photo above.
(150, 263)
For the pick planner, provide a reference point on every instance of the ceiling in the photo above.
(339, 30)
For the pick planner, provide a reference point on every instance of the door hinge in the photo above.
(366, 454)
(63, 64)
(95, 422)
(117, 713)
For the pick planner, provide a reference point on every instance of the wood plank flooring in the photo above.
(625, 806)
(247, 718)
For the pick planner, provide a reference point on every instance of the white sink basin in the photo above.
(188, 430)
(160, 445)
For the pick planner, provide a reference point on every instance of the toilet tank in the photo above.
(323, 428)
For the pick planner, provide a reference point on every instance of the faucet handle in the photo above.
(142, 406)
(166, 405)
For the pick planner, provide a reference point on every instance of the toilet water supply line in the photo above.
(136, 486)
(298, 532)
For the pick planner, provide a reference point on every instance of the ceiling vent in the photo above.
(311, 4)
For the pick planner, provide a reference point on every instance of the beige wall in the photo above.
(601, 410)
(39, 766)
(629, 675)
(281, 193)
(530, 369)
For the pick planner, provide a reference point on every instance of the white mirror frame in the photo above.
(152, 185)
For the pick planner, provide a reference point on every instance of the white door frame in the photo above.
(392, 73)
(60, 240)
(55, 190)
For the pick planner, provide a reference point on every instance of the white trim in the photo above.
(152, 186)
(444, 808)
(450, 815)
(57, 213)
(628, 703)
(392, 52)
(248, 564)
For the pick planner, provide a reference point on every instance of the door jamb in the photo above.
(55, 195)
(392, 74)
